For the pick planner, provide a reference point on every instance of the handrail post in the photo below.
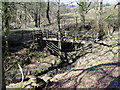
(65, 34)
(75, 36)
(47, 34)
(59, 42)
(33, 33)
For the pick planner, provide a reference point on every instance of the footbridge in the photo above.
(79, 42)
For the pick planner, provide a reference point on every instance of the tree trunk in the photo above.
(36, 15)
(1, 61)
(58, 16)
(47, 12)
(5, 27)
(6, 19)
(36, 19)
(25, 14)
(58, 22)
(96, 16)
(39, 16)
(83, 19)
(39, 20)
(101, 31)
(76, 19)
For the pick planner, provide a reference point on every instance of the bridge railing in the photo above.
(49, 34)
(68, 35)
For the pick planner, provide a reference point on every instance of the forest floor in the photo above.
(98, 69)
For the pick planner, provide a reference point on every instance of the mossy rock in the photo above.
(38, 83)
(42, 83)
(115, 49)
(41, 59)
(58, 61)
(19, 87)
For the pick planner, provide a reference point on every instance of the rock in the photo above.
(68, 67)
(115, 49)
(70, 61)
(46, 78)
(13, 85)
(33, 81)
(36, 80)
(8, 78)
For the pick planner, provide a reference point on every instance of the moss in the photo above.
(45, 55)
(41, 56)
(18, 87)
(47, 75)
(39, 69)
(58, 61)
(41, 83)
(41, 59)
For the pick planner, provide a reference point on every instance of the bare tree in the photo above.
(5, 23)
(47, 11)
(25, 6)
(58, 22)
(101, 31)
(58, 16)
(36, 15)
(5, 28)
(83, 9)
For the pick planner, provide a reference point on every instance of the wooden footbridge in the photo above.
(79, 40)
(65, 36)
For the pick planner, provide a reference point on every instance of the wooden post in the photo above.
(76, 21)
(22, 34)
(65, 34)
(59, 42)
(75, 37)
(33, 34)
(75, 47)
(47, 34)
(41, 39)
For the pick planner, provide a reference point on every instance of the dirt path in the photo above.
(99, 69)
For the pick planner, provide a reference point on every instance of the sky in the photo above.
(104, 1)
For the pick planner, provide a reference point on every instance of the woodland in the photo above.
(54, 45)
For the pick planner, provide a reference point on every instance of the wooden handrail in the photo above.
(65, 35)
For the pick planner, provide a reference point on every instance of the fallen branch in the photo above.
(21, 72)
(103, 44)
